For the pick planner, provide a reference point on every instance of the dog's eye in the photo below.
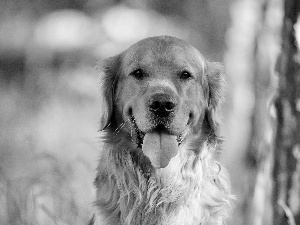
(185, 75)
(138, 74)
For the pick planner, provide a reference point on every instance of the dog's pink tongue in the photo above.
(160, 148)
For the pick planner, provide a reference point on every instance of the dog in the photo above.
(161, 137)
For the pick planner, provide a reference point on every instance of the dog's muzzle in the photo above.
(160, 143)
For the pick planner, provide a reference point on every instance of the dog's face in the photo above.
(160, 92)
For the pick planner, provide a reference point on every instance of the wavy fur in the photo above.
(128, 193)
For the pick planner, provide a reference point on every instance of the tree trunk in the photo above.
(286, 171)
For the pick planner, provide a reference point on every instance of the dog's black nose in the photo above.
(162, 105)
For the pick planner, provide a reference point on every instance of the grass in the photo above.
(48, 148)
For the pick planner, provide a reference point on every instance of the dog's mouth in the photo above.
(140, 135)
(159, 144)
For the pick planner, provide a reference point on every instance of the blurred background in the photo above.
(49, 103)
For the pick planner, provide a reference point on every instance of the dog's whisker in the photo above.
(131, 127)
(119, 127)
(131, 132)
(117, 130)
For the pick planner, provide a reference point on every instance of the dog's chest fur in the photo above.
(186, 193)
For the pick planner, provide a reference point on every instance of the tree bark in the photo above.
(286, 170)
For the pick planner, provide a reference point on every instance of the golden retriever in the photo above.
(158, 165)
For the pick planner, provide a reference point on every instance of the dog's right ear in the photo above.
(109, 69)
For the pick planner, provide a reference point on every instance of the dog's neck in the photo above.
(129, 196)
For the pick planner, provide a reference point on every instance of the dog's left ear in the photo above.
(109, 69)
(216, 91)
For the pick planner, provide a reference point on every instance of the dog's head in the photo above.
(160, 91)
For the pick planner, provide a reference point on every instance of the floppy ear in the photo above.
(109, 69)
(216, 90)
(216, 84)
